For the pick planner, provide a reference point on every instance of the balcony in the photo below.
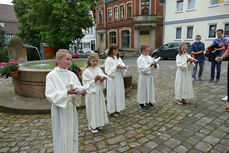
(145, 20)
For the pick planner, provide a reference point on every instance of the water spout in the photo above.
(30, 46)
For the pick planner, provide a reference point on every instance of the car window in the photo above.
(165, 46)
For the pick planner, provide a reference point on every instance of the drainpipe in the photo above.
(164, 11)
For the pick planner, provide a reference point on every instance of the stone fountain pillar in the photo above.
(16, 50)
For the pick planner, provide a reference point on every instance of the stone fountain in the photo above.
(29, 87)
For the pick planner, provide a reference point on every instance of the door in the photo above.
(144, 38)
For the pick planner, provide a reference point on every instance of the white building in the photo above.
(184, 19)
(88, 42)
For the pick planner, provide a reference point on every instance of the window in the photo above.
(101, 37)
(129, 10)
(179, 5)
(145, 7)
(2, 25)
(125, 39)
(212, 30)
(144, 32)
(109, 15)
(86, 45)
(122, 12)
(178, 33)
(214, 2)
(226, 30)
(115, 13)
(189, 32)
(191, 4)
(112, 37)
(100, 17)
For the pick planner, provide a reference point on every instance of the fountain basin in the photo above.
(31, 82)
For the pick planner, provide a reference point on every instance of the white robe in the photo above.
(95, 102)
(183, 81)
(115, 86)
(145, 91)
(63, 111)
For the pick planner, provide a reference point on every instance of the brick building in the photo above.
(129, 24)
(8, 21)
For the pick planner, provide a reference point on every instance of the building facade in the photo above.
(8, 21)
(184, 19)
(88, 42)
(129, 24)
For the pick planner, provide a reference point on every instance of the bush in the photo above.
(4, 54)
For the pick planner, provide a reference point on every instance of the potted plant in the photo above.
(9, 69)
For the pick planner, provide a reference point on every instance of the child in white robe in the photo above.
(145, 91)
(183, 81)
(63, 99)
(115, 86)
(95, 101)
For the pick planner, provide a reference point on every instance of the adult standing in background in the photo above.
(197, 50)
(220, 41)
(219, 59)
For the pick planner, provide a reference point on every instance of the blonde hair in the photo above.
(91, 56)
(182, 45)
(61, 53)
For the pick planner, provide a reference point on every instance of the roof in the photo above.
(7, 13)
(8, 17)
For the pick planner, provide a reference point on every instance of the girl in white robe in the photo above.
(183, 80)
(145, 91)
(115, 86)
(95, 101)
(63, 99)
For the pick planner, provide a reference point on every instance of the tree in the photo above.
(55, 22)
(2, 38)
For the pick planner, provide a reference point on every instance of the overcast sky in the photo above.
(6, 2)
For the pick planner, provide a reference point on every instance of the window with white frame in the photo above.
(212, 30)
(100, 17)
(129, 10)
(226, 30)
(178, 33)
(145, 4)
(179, 6)
(191, 4)
(86, 44)
(189, 32)
(214, 2)
(112, 37)
(110, 15)
(121, 12)
(115, 13)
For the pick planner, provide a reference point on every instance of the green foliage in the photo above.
(55, 22)
(11, 66)
(2, 38)
(3, 54)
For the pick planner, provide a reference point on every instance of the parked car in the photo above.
(82, 54)
(169, 50)
(88, 53)
(105, 52)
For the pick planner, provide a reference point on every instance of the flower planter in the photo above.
(14, 74)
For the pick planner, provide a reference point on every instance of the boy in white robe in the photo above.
(63, 99)
(183, 80)
(115, 86)
(145, 91)
(95, 101)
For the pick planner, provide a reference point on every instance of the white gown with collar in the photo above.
(63, 111)
(95, 101)
(115, 86)
(145, 91)
(183, 80)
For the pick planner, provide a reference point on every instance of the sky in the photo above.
(6, 2)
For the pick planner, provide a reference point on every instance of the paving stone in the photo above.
(172, 143)
(181, 149)
(203, 147)
(211, 140)
(151, 145)
(116, 139)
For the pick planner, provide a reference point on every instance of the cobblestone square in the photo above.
(200, 126)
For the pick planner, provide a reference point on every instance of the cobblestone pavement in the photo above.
(200, 126)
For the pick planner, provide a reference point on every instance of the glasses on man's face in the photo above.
(146, 50)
